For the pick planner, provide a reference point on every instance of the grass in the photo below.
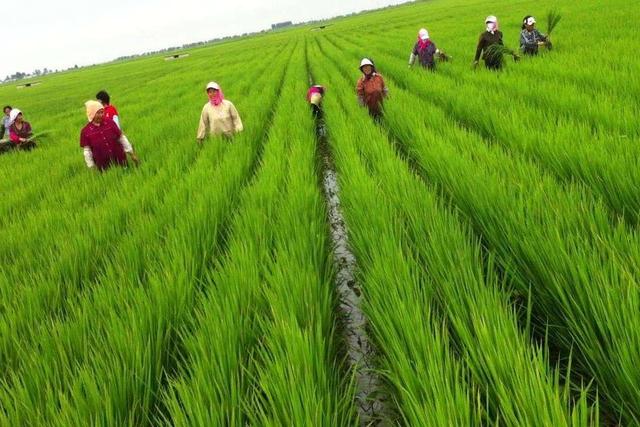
(494, 218)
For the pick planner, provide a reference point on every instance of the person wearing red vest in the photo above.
(102, 141)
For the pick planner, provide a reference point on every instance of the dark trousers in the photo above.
(492, 65)
(5, 147)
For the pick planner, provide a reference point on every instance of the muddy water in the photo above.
(370, 399)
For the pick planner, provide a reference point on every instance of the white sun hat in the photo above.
(491, 18)
(13, 115)
(366, 61)
(213, 85)
(423, 34)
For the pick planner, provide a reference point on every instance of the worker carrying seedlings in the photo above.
(371, 89)
(530, 38)
(426, 52)
(102, 140)
(20, 133)
(314, 98)
(219, 116)
(4, 125)
(490, 37)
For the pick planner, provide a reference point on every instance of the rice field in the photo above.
(494, 218)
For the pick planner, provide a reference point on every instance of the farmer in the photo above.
(314, 98)
(490, 37)
(371, 89)
(20, 133)
(530, 38)
(219, 116)
(424, 50)
(110, 111)
(102, 140)
(4, 125)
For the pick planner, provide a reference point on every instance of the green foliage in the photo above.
(553, 18)
(494, 218)
(496, 53)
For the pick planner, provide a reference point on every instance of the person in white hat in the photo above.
(492, 35)
(371, 89)
(20, 132)
(424, 50)
(530, 38)
(219, 116)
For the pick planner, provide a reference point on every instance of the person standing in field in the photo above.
(315, 94)
(4, 125)
(530, 38)
(314, 98)
(425, 51)
(102, 142)
(491, 36)
(20, 133)
(219, 116)
(371, 89)
(110, 111)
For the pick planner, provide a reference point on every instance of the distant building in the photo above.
(281, 25)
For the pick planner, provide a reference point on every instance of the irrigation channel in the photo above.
(360, 352)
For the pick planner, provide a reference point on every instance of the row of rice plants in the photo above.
(78, 382)
(455, 25)
(570, 145)
(263, 350)
(512, 377)
(556, 242)
(130, 218)
(159, 104)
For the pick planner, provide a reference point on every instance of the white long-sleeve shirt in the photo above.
(222, 119)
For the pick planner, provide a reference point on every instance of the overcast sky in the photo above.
(60, 34)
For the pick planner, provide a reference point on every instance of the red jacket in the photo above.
(372, 91)
(15, 134)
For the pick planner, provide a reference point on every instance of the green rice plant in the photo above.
(45, 296)
(553, 18)
(295, 349)
(492, 215)
(496, 53)
(412, 340)
(589, 227)
(484, 325)
(606, 166)
(188, 246)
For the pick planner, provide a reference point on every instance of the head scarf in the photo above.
(423, 40)
(92, 108)
(13, 115)
(219, 96)
(528, 20)
(492, 24)
(314, 95)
